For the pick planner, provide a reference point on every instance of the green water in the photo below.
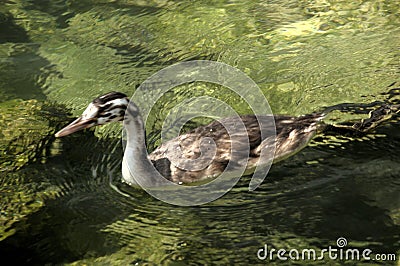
(59, 204)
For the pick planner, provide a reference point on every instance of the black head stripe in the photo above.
(109, 97)
(104, 114)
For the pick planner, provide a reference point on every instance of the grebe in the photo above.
(292, 134)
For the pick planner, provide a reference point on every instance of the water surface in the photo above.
(59, 203)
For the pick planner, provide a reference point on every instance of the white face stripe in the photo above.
(90, 111)
(115, 102)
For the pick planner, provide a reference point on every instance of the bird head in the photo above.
(107, 108)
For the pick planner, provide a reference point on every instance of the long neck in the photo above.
(136, 164)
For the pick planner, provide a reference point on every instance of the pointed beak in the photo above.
(75, 126)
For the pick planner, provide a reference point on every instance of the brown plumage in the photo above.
(292, 134)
